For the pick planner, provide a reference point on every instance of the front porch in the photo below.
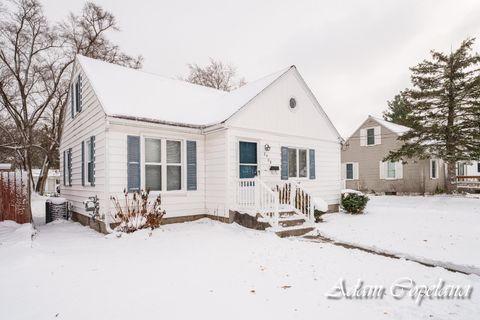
(285, 205)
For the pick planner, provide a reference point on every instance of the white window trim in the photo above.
(163, 149)
(297, 177)
(386, 171)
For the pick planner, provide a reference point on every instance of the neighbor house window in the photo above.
(391, 170)
(478, 166)
(153, 164)
(174, 165)
(461, 169)
(433, 168)
(297, 163)
(370, 136)
(349, 168)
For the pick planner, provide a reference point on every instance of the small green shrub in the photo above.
(354, 203)
(318, 215)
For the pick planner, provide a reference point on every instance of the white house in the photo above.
(263, 148)
(53, 180)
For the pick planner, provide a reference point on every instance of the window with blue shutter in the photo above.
(91, 161)
(79, 93)
(133, 163)
(191, 165)
(69, 166)
(83, 163)
(72, 100)
(312, 163)
(284, 163)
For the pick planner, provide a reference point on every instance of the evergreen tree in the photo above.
(399, 111)
(445, 107)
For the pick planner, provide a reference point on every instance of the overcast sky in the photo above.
(353, 54)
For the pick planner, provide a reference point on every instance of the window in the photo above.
(89, 160)
(247, 159)
(478, 166)
(76, 95)
(153, 164)
(163, 164)
(460, 169)
(174, 165)
(391, 170)
(297, 163)
(349, 173)
(370, 136)
(433, 169)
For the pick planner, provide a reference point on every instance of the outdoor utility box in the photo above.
(56, 208)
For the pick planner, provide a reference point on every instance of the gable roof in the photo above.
(395, 128)
(130, 93)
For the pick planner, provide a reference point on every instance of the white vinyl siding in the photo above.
(89, 122)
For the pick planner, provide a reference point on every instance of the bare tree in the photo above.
(216, 75)
(36, 65)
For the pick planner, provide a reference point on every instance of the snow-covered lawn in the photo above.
(202, 270)
(444, 230)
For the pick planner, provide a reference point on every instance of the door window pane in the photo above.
(292, 162)
(349, 170)
(302, 163)
(391, 169)
(153, 177)
(173, 152)
(370, 136)
(247, 171)
(174, 178)
(153, 150)
(248, 152)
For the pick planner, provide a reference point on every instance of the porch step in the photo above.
(290, 222)
(294, 231)
(287, 213)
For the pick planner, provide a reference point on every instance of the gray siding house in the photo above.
(363, 167)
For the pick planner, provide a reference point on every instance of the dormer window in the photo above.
(370, 136)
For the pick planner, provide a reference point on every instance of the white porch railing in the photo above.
(254, 196)
(293, 194)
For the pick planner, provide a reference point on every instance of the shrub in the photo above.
(354, 202)
(138, 213)
(318, 215)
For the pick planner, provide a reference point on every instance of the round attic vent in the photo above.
(292, 103)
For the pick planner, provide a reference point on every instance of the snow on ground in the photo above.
(206, 269)
(444, 230)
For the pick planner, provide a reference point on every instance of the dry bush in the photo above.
(138, 212)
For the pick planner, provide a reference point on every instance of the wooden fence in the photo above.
(14, 197)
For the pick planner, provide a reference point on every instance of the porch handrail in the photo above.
(268, 201)
(305, 205)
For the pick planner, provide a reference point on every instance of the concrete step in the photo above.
(287, 213)
(290, 222)
(295, 231)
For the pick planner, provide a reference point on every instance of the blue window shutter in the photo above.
(70, 167)
(83, 163)
(79, 82)
(133, 163)
(72, 100)
(191, 165)
(284, 164)
(312, 163)
(91, 171)
(65, 168)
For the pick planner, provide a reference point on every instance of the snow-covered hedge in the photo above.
(353, 201)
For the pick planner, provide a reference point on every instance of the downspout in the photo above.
(107, 186)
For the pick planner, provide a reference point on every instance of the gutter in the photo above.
(107, 174)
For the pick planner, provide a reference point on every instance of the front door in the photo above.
(247, 159)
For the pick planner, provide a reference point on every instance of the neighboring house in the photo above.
(468, 168)
(363, 167)
(53, 180)
(207, 152)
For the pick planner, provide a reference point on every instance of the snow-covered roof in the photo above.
(125, 92)
(396, 128)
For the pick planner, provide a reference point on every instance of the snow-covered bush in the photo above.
(138, 212)
(354, 202)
